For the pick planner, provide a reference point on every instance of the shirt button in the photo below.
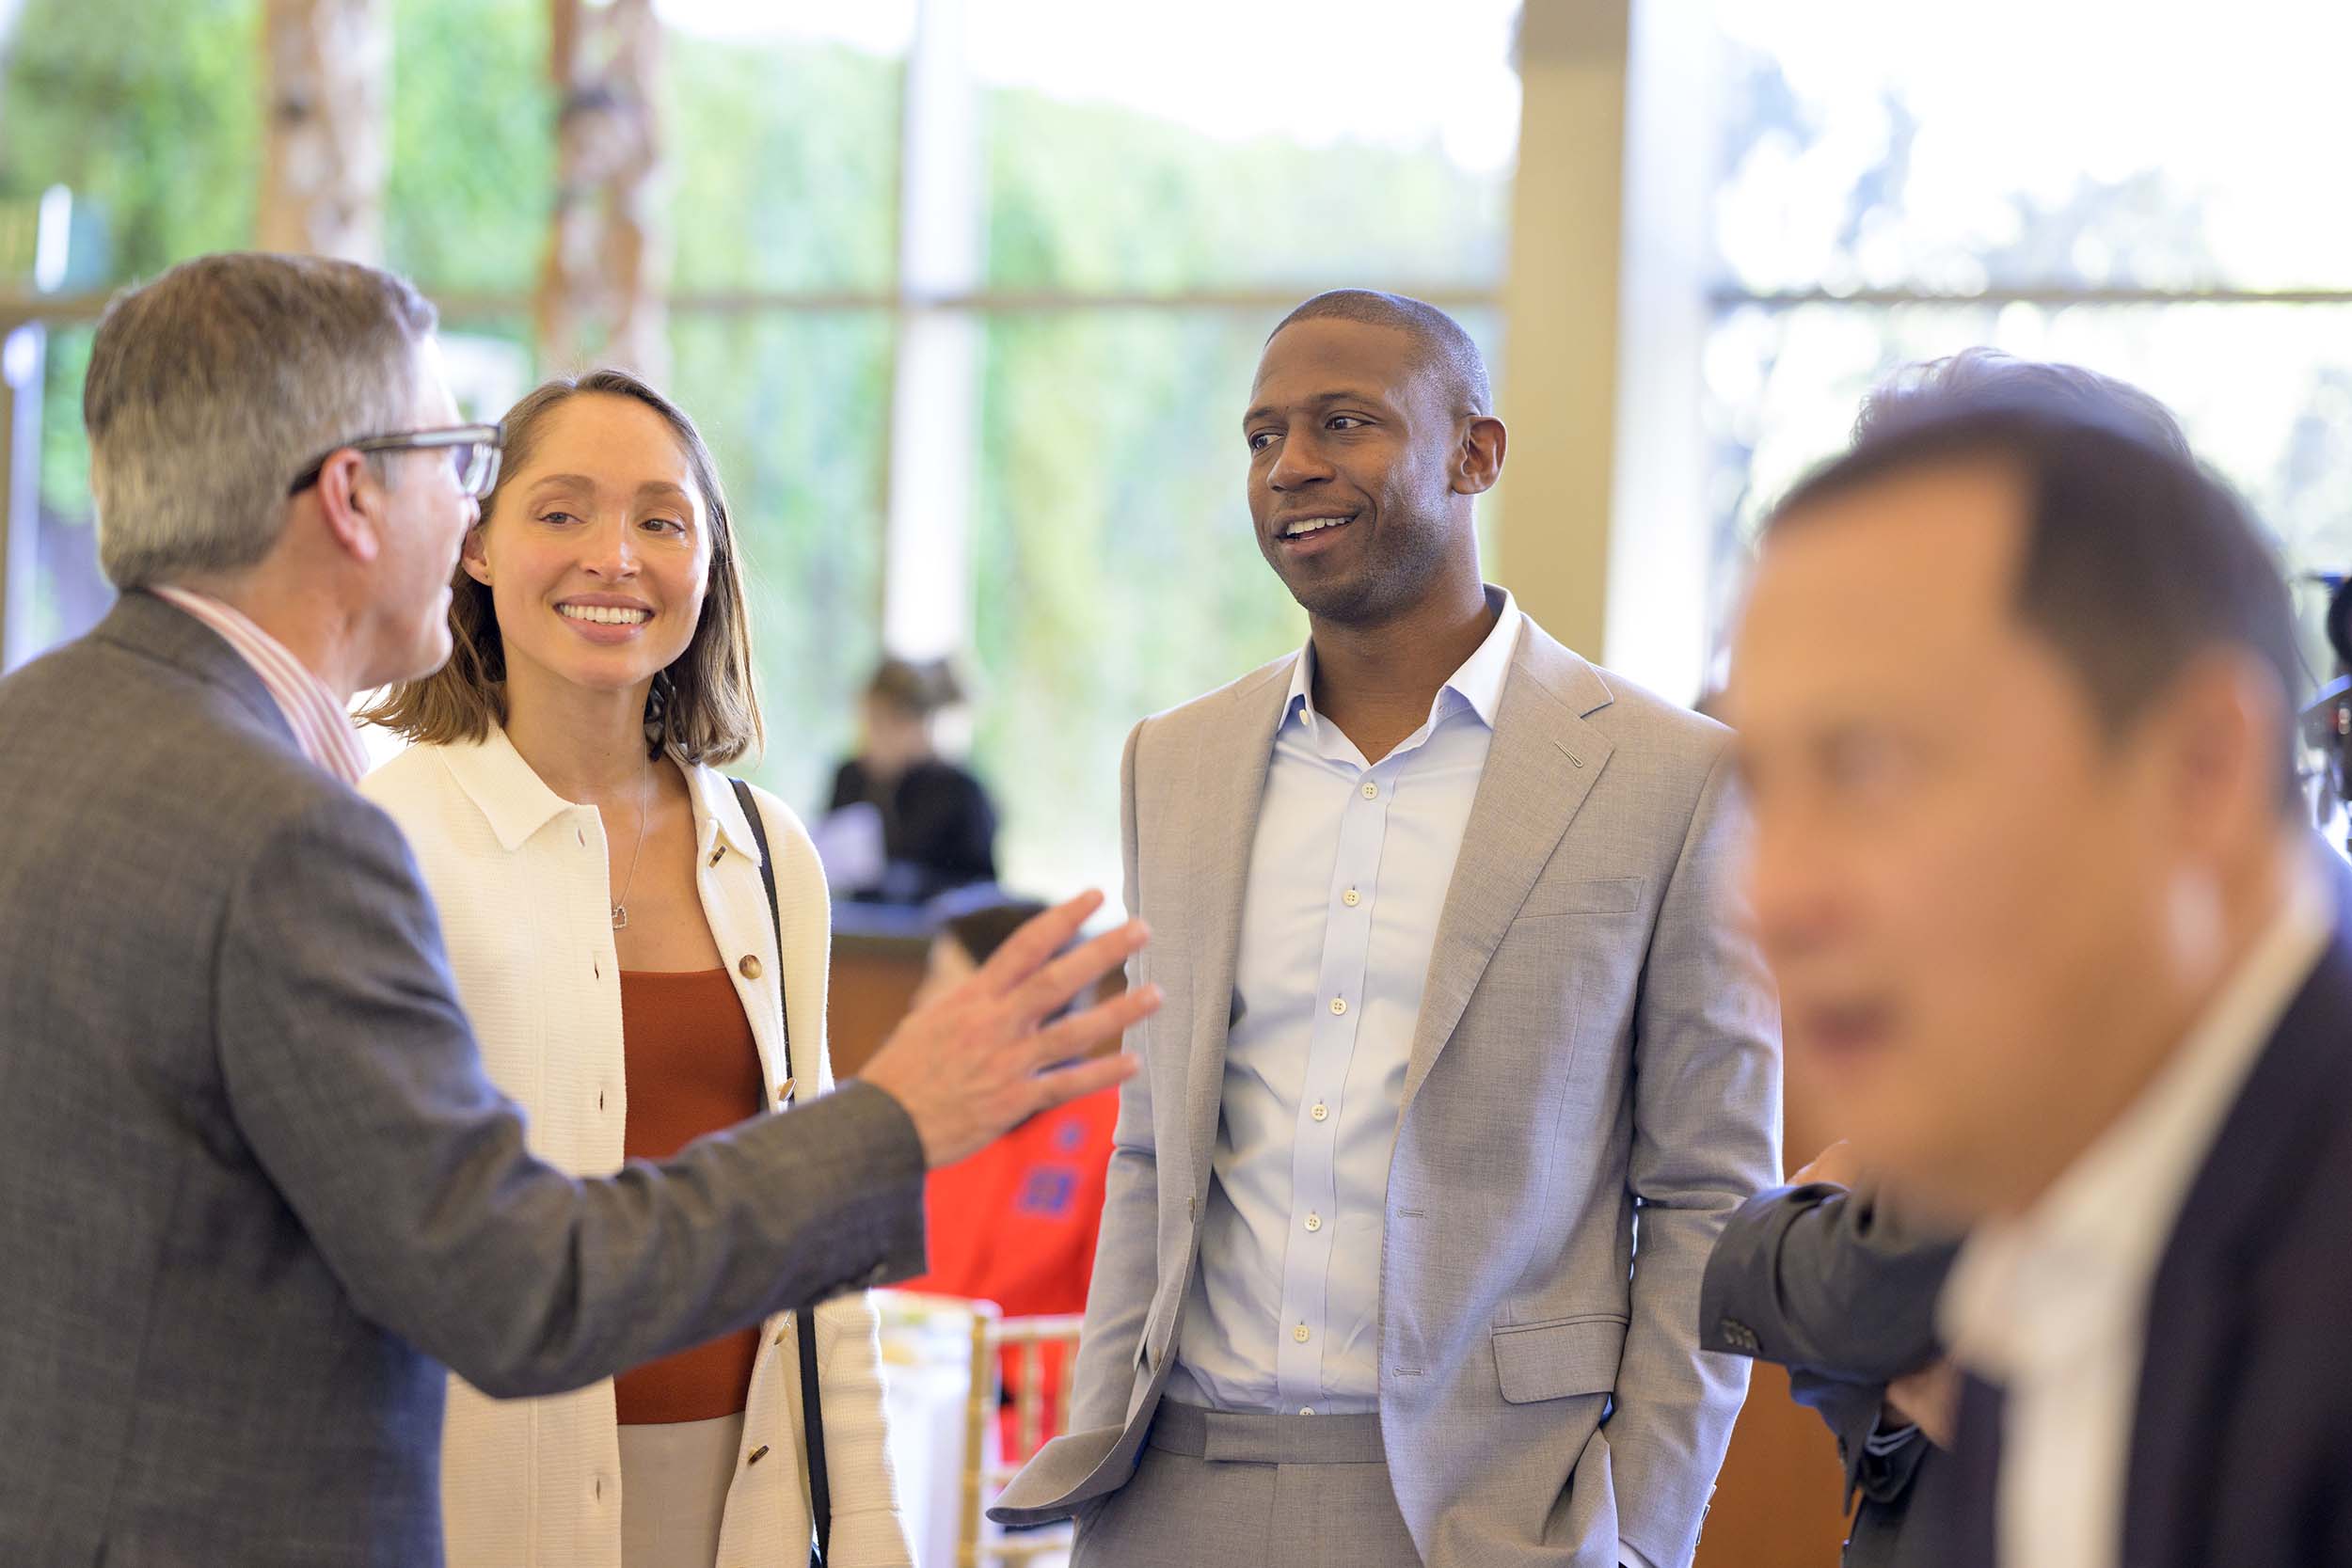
(1306, 1410)
(1314, 1222)
(1351, 898)
(718, 854)
(1299, 1333)
(1338, 1006)
(748, 966)
(1321, 1111)
(1371, 791)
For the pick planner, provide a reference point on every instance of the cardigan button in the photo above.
(758, 1454)
(748, 966)
(718, 854)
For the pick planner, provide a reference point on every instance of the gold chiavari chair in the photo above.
(1026, 1337)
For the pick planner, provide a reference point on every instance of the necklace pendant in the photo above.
(620, 916)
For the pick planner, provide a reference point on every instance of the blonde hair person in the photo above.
(610, 933)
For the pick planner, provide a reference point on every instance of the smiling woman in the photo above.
(620, 979)
(700, 690)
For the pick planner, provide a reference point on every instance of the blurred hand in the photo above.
(1929, 1399)
(1835, 1163)
(971, 1066)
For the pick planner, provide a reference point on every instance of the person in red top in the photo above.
(1015, 1224)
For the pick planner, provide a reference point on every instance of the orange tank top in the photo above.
(692, 1068)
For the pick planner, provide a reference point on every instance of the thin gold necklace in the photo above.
(644, 808)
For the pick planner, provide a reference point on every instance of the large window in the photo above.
(1156, 199)
(2069, 181)
(965, 294)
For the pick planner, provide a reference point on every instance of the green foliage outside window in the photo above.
(1115, 571)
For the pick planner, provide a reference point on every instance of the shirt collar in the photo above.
(2068, 1272)
(516, 802)
(513, 800)
(1477, 684)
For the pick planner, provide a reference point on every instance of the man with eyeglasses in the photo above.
(256, 1192)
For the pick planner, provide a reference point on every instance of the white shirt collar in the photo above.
(516, 802)
(1478, 683)
(2066, 1275)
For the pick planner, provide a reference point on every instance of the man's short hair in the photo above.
(211, 387)
(1445, 348)
(2136, 559)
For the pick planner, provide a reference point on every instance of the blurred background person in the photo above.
(932, 820)
(624, 974)
(1016, 1225)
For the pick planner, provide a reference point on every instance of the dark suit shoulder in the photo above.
(2243, 1430)
(174, 782)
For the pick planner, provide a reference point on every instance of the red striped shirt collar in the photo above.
(321, 726)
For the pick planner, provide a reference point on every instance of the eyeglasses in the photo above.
(473, 452)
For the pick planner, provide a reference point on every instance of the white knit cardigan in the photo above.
(519, 876)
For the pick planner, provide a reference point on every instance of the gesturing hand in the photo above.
(973, 1064)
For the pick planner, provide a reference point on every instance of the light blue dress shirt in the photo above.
(1348, 875)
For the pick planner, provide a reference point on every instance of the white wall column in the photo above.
(934, 404)
(1603, 533)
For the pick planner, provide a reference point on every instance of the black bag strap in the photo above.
(812, 1407)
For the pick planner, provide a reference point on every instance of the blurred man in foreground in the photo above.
(2015, 691)
(1824, 1276)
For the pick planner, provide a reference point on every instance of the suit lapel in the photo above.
(1540, 767)
(1228, 783)
(1962, 1531)
(2197, 1307)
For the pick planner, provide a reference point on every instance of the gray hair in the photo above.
(212, 386)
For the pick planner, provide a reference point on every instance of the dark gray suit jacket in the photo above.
(255, 1191)
(2241, 1440)
(1823, 1282)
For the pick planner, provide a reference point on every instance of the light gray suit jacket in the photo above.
(1596, 1041)
(255, 1191)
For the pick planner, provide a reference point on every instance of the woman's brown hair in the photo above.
(704, 706)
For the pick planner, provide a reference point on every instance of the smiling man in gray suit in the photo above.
(255, 1190)
(1454, 1001)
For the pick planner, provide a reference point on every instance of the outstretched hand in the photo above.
(980, 1060)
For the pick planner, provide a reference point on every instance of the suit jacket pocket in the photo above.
(1553, 1360)
(1610, 895)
